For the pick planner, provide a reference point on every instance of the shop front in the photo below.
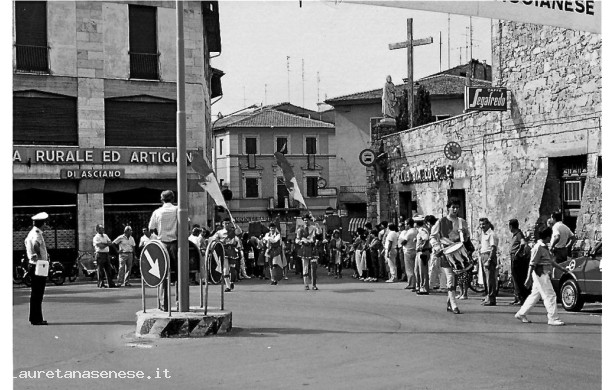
(80, 188)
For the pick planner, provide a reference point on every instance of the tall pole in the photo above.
(440, 52)
(471, 54)
(181, 167)
(448, 44)
(409, 82)
(303, 102)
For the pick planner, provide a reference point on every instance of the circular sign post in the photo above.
(367, 157)
(154, 261)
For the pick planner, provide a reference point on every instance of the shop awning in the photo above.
(356, 223)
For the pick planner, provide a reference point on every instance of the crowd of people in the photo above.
(425, 252)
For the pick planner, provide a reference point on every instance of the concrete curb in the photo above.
(156, 323)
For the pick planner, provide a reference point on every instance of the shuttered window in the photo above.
(250, 145)
(140, 123)
(210, 13)
(143, 42)
(312, 189)
(252, 187)
(311, 145)
(31, 36)
(44, 119)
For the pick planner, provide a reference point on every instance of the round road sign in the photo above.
(154, 261)
(367, 157)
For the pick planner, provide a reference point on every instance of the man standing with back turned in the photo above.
(165, 221)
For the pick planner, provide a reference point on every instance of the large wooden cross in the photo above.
(409, 44)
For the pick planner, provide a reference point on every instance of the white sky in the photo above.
(347, 44)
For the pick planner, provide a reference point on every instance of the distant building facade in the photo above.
(244, 147)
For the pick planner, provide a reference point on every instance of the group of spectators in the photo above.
(425, 252)
(437, 254)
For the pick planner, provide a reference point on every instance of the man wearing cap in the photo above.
(305, 238)
(36, 250)
(126, 245)
(101, 243)
(165, 221)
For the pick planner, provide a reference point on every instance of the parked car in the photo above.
(583, 282)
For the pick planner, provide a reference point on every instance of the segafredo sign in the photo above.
(486, 99)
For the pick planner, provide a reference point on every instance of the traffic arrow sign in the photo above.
(154, 261)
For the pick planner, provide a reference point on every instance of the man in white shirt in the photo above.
(407, 240)
(101, 243)
(147, 236)
(488, 256)
(391, 245)
(165, 221)
(126, 256)
(36, 250)
(562, 239)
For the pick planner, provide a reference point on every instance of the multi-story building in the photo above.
(94, 113)
(355, 114)
(244, 147)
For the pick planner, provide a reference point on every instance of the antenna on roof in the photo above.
(288, 82)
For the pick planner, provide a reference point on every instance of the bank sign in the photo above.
(75, 155)
(486, 99)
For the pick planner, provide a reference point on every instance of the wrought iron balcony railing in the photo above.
(32, 58)
(144, 66)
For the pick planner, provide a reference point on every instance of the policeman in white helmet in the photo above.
(38, 260)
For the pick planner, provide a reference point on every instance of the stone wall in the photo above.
(554, 77)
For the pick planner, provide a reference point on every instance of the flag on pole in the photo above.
(208, 181)
(290, 181)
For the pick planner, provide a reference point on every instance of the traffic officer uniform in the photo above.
(36, 250)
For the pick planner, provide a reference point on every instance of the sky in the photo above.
(343, 47)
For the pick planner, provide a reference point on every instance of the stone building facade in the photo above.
(120, 150)
(541, 155)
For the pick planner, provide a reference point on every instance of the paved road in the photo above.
(347, 335)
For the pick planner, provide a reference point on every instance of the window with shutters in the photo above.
(144, 58)
(572, 191)
(210, 13)
(44, 119)
(282, 145)
(599, 167)
(31, 51)
(312, 187)
(282, 193)
(140, 121)
(251, 185)
(311, 145)
(250, 145)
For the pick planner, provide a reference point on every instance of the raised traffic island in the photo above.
(155, 323)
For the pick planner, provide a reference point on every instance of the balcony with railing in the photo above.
(144, 66)
(31, 58)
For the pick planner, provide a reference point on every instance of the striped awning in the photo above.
(356, 223)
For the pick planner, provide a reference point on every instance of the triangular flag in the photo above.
(290, 181)
(208, 181)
